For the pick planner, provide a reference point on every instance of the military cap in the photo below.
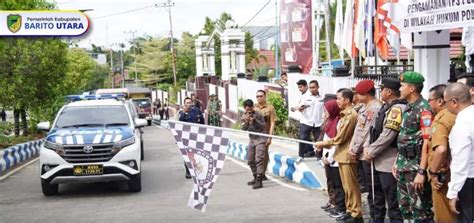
(390, 83)
(412, 77)
(363, 87)
(328, 97)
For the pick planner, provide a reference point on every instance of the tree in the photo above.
(22, 85)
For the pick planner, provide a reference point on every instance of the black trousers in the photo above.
(338, 191)
(389, 188)
(466, 202)
(305, 132)
(377, 203)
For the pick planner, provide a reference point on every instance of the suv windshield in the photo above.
(93, 116)
(142, 103)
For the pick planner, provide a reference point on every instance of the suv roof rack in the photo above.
(73, 98)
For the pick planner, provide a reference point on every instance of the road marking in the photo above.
(269, 177)
(18, 169)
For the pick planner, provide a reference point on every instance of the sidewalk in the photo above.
(290, 149)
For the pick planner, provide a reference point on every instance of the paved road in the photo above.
(164, 195)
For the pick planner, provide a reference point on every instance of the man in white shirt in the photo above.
(311, 118)
(461, 141)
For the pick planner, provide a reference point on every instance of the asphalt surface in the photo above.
(164, 196)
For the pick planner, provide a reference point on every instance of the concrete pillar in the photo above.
(204, 56)
(431, 57)
(232, 52)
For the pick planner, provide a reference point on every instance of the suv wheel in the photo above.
(49, 189)
(135, 184)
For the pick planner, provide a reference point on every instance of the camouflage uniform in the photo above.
(416, 123)
(214, 117)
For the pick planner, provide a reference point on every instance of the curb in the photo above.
(15, 155)
(280, 165)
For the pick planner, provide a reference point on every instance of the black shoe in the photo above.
(252, 182)
(354, 220)
(258, 184)
(344, 217)
(337, 214)
(188, 176)
(326, 206)
(330, 210)
(264, 178)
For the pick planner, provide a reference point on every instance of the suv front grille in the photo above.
(76, 154)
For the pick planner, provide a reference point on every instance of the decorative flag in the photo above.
(369, 40)
(380, 31)
(359, 31)
(203, 150)
(348, 27)
(339, 29)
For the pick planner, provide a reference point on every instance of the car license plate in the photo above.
(88, 170)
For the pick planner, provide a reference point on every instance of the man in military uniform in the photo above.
(366, 95)
(383, 150)
(414, 191)
(268, 112)
(347, 166)
(192, 115)
(253, 121)
(438, 160)
(214, 111)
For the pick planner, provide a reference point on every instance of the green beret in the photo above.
(412, 77)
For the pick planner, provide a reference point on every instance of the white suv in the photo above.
(92, 141)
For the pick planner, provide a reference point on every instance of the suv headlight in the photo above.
(58, 148)
(121, 144)
(52, 145)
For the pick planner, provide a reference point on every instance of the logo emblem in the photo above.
(88, 149)
(14, 22)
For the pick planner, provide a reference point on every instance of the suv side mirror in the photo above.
(44, 126)
(140, 122)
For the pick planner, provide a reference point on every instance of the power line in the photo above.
(125, 12)
(261, 9)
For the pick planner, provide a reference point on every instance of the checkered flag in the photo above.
(203, 150)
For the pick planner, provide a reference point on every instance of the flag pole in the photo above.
(243, 132)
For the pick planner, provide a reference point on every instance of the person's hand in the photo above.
(269, 141)
(435, 183)
(325, 161)
(367, 156)
(301, 108)
(452, 205)
(394, 172)
(419, 182)
(352, 155)
(317, 149)
(251, 119)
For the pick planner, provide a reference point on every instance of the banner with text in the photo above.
(43, 23)
(429, 15)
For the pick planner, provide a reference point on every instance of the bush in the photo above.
(281, 111)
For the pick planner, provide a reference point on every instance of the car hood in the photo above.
(80, 136)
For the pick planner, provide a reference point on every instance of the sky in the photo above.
(187, 16)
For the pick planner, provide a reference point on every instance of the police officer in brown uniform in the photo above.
(438, 159)
(253, 121)
(268, 112)
(366, 94)
(347, 166)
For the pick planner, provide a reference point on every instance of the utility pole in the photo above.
(134, 52)
(169, 4)
(121, 65)
(277, 41)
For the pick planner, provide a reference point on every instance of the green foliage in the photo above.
(281, 111)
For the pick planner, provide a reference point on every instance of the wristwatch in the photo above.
(421, 171)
